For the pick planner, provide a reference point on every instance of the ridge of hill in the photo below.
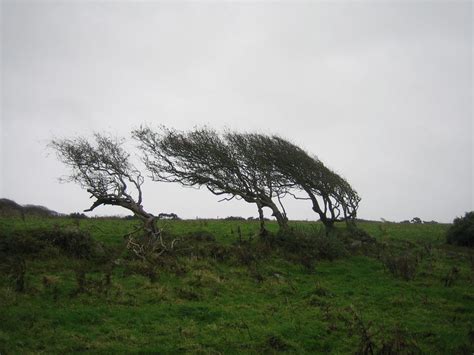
(9, 208)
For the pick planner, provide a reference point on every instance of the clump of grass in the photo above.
(202, 244)
(143, 268)
(307, 245)
(187, 293)
(199, 236)
(18, 274)
(399, 341)
(81, 281)
(373, 340)
(404, 266)
(451, 276)
(51, 285)
(320, 291)
(88, 280)
(245, 255)
(317, 301)
(364, 332)
(358, 241)
(276, 343)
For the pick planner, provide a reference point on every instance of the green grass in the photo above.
(216, 306)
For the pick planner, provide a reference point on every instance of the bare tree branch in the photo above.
(103, 168)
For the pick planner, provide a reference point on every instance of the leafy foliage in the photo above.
(229, 165)
(462, 231)
(254, 167)
(74, 242)
(332, 198)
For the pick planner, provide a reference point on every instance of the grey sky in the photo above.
(380, 91)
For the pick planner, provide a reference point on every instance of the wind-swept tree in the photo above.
(228, 165)
(103, 168)
(332, 197)
(265, 179)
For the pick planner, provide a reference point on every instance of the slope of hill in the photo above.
(9, 208)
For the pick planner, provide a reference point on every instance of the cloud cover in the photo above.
(380, 91)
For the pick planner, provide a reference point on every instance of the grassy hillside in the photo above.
(224, 290)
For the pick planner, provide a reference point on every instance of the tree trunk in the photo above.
(263, 231)
(329, 226)
(281, 219)
(328, 222)
(148, 220)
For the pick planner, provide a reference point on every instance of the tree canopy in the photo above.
(332, 197)
(102, 167)
(257, 168)
(226, 164)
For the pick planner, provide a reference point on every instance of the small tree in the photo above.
(103, 168)
(226, 165)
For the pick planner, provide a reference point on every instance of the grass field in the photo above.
(408, 292)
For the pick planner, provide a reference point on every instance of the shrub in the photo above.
(245, 255)
(77, 215)
(200, 235)
(403, 266)
(187, 293)
(462, 231)
(21, 244)
(234, 218)
(72, 241)
(143, 268)
(276, 343)
(400, 341)
(307, 245)
(172, 216)
(358, 240)
(353, 233)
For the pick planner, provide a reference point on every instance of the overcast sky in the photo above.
(382, 92)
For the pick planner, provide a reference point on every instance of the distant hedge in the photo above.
(462, 231)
